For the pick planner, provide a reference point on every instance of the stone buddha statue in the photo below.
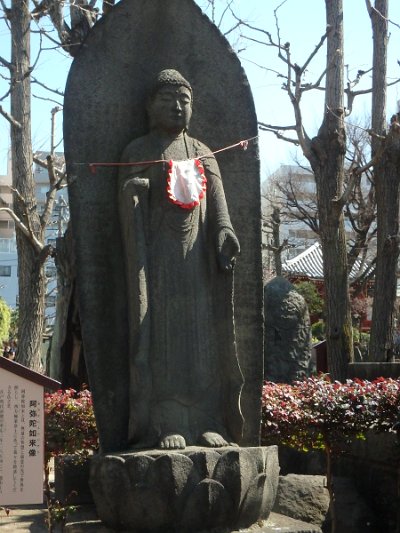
(179, 254)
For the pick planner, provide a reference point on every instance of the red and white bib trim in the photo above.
(186, 183)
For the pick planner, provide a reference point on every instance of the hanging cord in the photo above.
(242, 144)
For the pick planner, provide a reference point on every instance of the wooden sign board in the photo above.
(21, 433)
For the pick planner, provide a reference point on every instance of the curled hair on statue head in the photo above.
(169, 76)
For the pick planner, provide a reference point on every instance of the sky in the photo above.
(302, 23)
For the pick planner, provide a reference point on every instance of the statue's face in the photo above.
(170, 109)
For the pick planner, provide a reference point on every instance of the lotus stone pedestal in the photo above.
(189, 490)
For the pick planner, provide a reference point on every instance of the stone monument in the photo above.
(172, 328)
(287, 346)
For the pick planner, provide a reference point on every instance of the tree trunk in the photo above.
(387, 182)
(387, 248)
(327, 161)
(276, 241)
(30, 265)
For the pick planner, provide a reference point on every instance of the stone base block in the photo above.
(275, 523)
(303, 497)
(189, 490)
(284, 524)
(373, 370)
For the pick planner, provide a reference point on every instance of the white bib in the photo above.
(186, 183)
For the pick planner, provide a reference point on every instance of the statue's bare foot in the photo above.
(172, 442)
(213, 440)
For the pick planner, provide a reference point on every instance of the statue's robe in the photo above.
(184, 371)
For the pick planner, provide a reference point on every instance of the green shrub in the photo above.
(13, 333)
(5, 320)
(312, 297)
(318, 330)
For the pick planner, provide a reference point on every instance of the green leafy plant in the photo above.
(57, 513)
(361, 341)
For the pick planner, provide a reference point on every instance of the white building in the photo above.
(299, 235)
(299, 188)
(8, 252)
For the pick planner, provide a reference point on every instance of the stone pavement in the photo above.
(31, 519)
(24, 518)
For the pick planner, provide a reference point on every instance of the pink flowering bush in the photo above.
(317, 413)
(70, 428)
(387, 398)
(70, 423)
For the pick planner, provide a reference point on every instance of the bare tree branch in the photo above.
(276, 130)
(278, 30)
(262, 67)
(283, 138)
(280, 128)
(303, 209)
(10, 119)
(227, 8)
(295, 96)
(32, 68)
(61, 176)
(369, 131)
(50, 38)
(343, 200)
(7, 12)
(55, 91)
(270, 41)
(25, 230)
(357, 79)
(284, 246)
(315, 85)
(299, 203)
(316, 50)
(82, 16)
(6, 63)
(355, 174)
(372, 9)
(351, 95)
(5, 95)
(254, 40)
(27, 211)
(234, 27)
(55, 185)
(46, 99)
(3, 5)
(48, 207)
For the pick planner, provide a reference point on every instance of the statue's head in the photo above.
(170, 102)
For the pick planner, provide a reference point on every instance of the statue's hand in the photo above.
(227, 249)
(139, 184)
